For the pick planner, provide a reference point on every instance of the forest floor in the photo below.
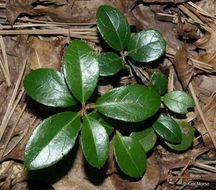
(34, 34)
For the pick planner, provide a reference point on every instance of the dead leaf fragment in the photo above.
(209, 112)
(207, 42)
(169, 160)
(184, 71)
(207, 52)
(187, 30)
(46, 54)
(15, 7)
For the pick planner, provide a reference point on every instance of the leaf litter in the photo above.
(38, 37)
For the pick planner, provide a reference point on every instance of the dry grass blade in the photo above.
(171, 80)
(11, 103)
(181, 173)
(203, 12)
(48, 32)
(4, 72)
(204, 166)
(201, 113)
(201, 65)
(11, 112)
(194, 17)
(6, 66)
(26, 19)
(21, 25)
(11, 132)
(26, 137)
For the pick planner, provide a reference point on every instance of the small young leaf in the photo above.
(147, 138)
(178, 101)
(168, 129)
(95, 141)
(48, 87)
(113, 27)
(96, 116)
(159, 82)
(146, 46)
(131, 103)
(81, 70)
(130, 155)
(187, 137)
(51, 140)
(109, 63)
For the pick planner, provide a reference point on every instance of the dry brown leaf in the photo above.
(205, 88)
(184, 71)
(62, 11)
(46, 54)
(169, 160)
(15, 7)
(207, 47)
(187, 30)
(207, 42)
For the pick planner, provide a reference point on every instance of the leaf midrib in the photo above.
(57, 133)
(121, 140)
(93, 138)
(137, 49)
(115, 30)
(115, 104)
(179, 101)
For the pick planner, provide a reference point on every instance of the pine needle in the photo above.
(11, 104)
(201, 113)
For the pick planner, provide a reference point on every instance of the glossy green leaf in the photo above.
(48, 87)
(178, 101)
(146, 46)
(146, 137)
(96, 116)
(130, 155)
(159, 82)
(81, 70)
(95, 141)
(187, 137)
(51, 140)
(109, 63)
(113, 27)
(131, 103)
(168, 129)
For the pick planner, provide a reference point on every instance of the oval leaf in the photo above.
(81, 70)
(159, 82)
(168, 129)
(178, 101)
(146, 137)
(113, 27)
(187, 137)
(131, 103)
(130, 155)
(109, 63)
(51, 140)
(95, 141)
(48, 87)
(146, 46)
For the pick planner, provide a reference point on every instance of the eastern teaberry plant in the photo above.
(54, 137)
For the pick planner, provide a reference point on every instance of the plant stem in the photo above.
(90, 106)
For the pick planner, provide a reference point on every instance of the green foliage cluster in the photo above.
(54, 137)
